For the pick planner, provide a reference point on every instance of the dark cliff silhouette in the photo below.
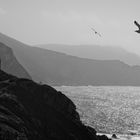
(31, 111)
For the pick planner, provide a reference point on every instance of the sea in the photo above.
(108, 109)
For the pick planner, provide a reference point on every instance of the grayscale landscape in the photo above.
(69, 70)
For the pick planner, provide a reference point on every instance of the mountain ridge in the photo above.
(56, 68)
(96, 52)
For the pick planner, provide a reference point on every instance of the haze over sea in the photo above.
(109, 109)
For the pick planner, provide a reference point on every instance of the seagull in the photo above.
(96, 32)
(138, 25)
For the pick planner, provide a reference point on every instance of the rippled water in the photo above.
(108, 109)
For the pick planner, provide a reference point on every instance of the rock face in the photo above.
(30, 111)
(10, 64)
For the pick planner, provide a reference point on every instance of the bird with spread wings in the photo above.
(138, 25)
(95, 32)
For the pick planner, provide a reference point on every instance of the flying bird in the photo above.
(96, 32)
(138, 25)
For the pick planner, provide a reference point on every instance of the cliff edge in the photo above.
(31, 111)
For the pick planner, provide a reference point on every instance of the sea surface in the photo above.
(108, 109)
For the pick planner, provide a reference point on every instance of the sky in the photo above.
(70, 22)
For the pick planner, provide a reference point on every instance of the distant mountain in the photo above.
(96, 52)
(57, 68)
(10, 64)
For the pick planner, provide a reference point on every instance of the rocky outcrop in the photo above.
(31, 111)
(10, 64)
(15, 122)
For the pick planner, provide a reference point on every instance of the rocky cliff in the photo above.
(31, 111)
(10, 64)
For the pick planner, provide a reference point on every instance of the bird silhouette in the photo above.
(138, 25)
(96, 32)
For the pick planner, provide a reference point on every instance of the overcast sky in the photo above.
(70, 21)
